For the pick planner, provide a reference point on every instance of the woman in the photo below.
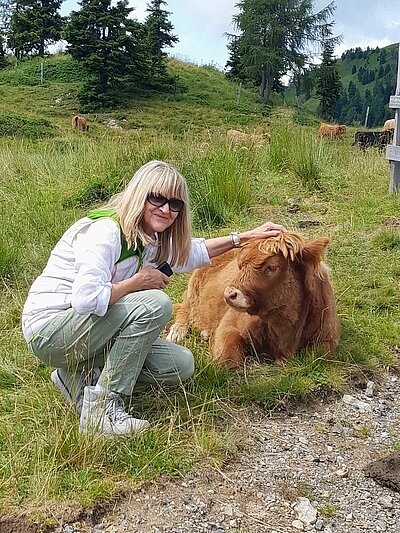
(98, 308)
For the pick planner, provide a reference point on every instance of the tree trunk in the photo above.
(265, 85)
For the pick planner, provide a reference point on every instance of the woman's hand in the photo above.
(150, 278)
(219, 245)
(147, 278)
(268, 229)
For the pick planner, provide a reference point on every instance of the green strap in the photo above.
(126, 252)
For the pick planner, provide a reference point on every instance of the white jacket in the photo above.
(81, 269)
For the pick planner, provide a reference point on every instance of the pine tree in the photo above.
(3, 60)
(232, 65)
(158, 36)
(274, 35)
(110, 46)
(33, 25)
(328, 83)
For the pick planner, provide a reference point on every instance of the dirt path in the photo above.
(298, 471)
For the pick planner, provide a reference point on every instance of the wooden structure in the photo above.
(393, 150)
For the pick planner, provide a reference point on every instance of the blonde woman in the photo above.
(98, 308)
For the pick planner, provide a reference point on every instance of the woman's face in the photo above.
(156, 219)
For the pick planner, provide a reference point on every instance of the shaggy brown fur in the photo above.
(279, 298)
(79, 123)
(332, 131)
(239, 137)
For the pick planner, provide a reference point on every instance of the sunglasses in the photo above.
(175, 205)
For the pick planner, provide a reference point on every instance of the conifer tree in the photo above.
(110, 46)
(3, 61)
(274, 36)
(328, 83)
(233, 63)
(33, 25)
(158, 36)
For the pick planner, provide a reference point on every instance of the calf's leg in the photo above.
(180, 327)
(228, 347)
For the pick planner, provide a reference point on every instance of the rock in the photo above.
(358, 404)
(298, 524)
(386, 471)
(306, 512)
(369, 389)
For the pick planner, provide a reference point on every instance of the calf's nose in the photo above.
(230, 293)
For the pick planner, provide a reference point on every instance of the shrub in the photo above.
(20, 126)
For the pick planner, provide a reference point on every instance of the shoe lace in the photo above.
(115, 408)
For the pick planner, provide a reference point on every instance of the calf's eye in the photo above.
(269, 269)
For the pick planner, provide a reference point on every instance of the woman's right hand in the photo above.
(147, 278)
(150, 278)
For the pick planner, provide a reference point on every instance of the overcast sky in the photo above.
(201, 24)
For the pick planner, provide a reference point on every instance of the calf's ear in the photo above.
(314, 250)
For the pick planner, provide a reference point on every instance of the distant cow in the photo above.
(332, 131)
(239, 137)
(79, 123)
(389, 124)
(366, 139)
(272, 297)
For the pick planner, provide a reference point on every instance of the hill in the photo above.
(368, 79)
(197, 92)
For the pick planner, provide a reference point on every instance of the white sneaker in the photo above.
(72, 385)
(106, 415)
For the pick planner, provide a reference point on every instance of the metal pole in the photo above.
(238, 93)
(366, 117)
(394, 173)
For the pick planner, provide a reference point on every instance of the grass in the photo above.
(48, 182)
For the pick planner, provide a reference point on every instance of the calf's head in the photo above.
(272, 270)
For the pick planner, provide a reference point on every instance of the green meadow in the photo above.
(51, 175)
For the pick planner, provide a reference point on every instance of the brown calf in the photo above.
(79, 123)
(272, 298)
(239, 137)
(332, 131)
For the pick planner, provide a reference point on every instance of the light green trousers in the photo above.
(125, 341)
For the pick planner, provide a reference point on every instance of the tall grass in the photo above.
(221, 183)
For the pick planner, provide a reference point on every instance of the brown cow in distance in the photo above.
(239, 137)
(332, 131)
(272, 297)
(79, 123)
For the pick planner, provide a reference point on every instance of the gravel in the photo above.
(301, 470)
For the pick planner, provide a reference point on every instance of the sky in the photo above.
(201, 24)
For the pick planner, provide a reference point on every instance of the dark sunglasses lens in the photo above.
(175, 204)
(157, 199)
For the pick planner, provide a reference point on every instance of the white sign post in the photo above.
(393, 150)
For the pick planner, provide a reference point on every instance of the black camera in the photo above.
(165, 268)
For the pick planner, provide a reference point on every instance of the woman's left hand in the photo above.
(268, 229)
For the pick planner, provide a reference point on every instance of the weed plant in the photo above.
(47, 183)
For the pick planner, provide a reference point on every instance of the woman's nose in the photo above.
(165, 208)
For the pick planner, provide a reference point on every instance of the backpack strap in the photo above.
(126, 252)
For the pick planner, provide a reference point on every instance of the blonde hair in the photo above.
(155, 177)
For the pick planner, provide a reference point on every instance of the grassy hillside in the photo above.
(52, 175)
(368, 79)
(207, 94)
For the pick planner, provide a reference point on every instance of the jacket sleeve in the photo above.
(198, 256)
(97, 249)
